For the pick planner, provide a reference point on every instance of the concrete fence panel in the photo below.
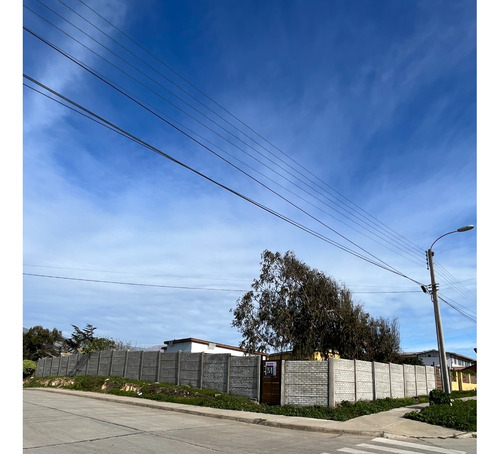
(306, 383)
(303, 382)
(245, 376)
(106, 357)
(117, 366)
(149, 366)
(410, 380)
(216, 369)
(169, 368)
(420, 381)
(397, 381)
(92, 364)
(133, 365)
(190, 369)
(364, 380)
(342, 381)
(381, 380)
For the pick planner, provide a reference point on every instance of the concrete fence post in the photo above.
(228, 377)
(416, 379)
(374, 382)
(390, 381)
(158, 366)
(179, 355)
(404, 382)
(331, 383)
(282, 383)
(98, 362)
(59, 366)
(258, 360)
(355, 381)
(140, 364)
(111, 363)
(202, 366)
(125, 364)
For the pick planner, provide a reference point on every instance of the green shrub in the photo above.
(439, 397)
(461, 416)
(29, 368)
(88, 383)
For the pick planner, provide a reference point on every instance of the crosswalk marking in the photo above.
(412, 445)
(396, 448)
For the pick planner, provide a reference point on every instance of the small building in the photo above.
(192, 345)
(431, 358)
(316, 356)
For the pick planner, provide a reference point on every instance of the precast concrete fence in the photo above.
(328, 383)
(302, 383)
(237, 375)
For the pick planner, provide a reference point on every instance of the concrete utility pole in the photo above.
(445, 377)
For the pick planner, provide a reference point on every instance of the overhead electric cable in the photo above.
(177, 287)
(83, 66)
(141, 104)
(181, 100)
(215, 113)
(416, 248)
(263, 207)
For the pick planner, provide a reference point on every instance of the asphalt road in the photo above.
(70, 424)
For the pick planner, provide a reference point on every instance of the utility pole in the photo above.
(445, 376)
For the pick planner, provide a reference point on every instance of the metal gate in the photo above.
(271, 383)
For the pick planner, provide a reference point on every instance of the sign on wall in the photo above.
(270, 369)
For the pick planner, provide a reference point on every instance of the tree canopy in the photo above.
(84, 341)
(292, 307)
(39, 342)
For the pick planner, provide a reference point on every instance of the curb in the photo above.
(252, 418)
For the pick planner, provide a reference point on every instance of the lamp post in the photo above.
(445, 378)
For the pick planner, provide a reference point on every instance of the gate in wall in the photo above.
(271, 383)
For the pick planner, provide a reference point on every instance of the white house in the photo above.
(192, 345)
(453, 360)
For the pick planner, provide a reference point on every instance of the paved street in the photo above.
(62, 423)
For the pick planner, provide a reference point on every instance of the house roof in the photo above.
(205, 342)
(456, 355)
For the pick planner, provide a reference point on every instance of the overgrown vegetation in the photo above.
(29, 367)
(209, 398)
(39, 342)
(439, 397)
(461, 415)
(294, 308)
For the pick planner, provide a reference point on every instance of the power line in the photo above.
(128, 75)
(239, 131)
(179, 287)
(115, 128)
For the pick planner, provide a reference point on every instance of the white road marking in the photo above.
(397, 448)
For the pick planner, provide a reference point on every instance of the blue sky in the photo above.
(356, 121)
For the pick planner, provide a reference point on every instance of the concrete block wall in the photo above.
(331, 382)
(382, 380)
(364, 380)
(397, 381)
(305, 382)
(343, 381)
(245, 373)
(216, 368)
(221, 372)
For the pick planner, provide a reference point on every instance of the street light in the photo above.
(445, 378)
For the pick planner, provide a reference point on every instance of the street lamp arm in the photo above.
(435, 241)
(461, 229)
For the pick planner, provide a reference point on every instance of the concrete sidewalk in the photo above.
(389, 424)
